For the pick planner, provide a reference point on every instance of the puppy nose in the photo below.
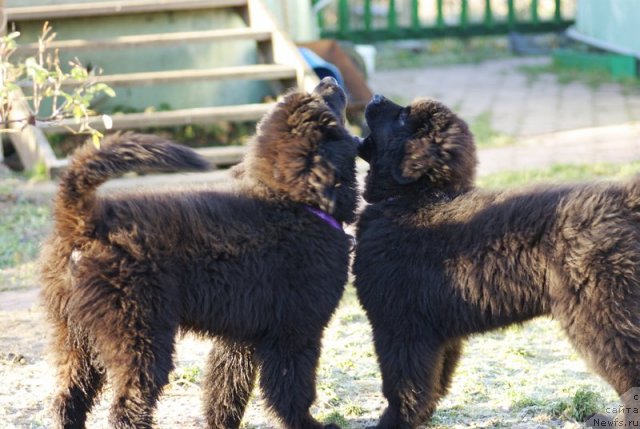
(330, 80)
(377, 99)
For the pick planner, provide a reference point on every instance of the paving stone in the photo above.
(517, 104)
(609, 117)
(573, 121)
(633, 107)
(510, 125)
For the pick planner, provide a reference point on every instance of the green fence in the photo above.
(363, 21)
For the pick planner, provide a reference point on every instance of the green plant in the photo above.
(527, 402)
(559, 408)
(38, 173)
(186, 375)
(27, 83)
(335, 418)
(585, 403)
(353, 409)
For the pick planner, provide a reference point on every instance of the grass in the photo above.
(23, 226)
(561, 173)
(592, 78)
(394, 55)
(485, 135)
(24, 223)
(525, 375)
(586, 403)
(186, 375)
(335, 418)
(496, 385)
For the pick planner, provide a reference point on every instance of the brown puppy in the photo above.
(438, 260)
(261, 269)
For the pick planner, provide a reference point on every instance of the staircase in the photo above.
(279, 64)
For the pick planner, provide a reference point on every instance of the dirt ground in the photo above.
(28, 380)
(507, 379)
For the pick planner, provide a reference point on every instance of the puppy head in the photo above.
(303, 153)
(420, 148)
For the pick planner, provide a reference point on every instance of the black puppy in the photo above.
(260, 269)
(438, 260)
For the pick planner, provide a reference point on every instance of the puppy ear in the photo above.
(413, 160)
(300, 170)
(321, 182)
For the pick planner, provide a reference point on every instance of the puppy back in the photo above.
(118, 154)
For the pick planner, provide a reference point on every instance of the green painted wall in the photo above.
(171, 57)
(295, 17)
(612, 21)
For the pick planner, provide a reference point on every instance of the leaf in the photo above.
(79, 73)
(104, 88)
(35, 71)
(78, 111)
(95, 138)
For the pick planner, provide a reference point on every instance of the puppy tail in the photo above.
(118, 154)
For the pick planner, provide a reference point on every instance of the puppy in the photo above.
(438, 260)
(260, 269)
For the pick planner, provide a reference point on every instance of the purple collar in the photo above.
(325, 217)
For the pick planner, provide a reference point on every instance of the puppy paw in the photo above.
(331, 426)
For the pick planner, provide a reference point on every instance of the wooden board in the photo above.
(72, 10)
(201, 115)
(154, 40)
(251, 72)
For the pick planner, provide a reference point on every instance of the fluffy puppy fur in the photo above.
(255, 269)
(438, 260)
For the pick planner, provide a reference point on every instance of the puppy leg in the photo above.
(601, 321)
(228, 383)
(79, 377)
(134, 335)
(451, 356)
(411, 379)
(626, 380)
(288, 380)
(140, 367)
(613, 358)
(615, 355)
